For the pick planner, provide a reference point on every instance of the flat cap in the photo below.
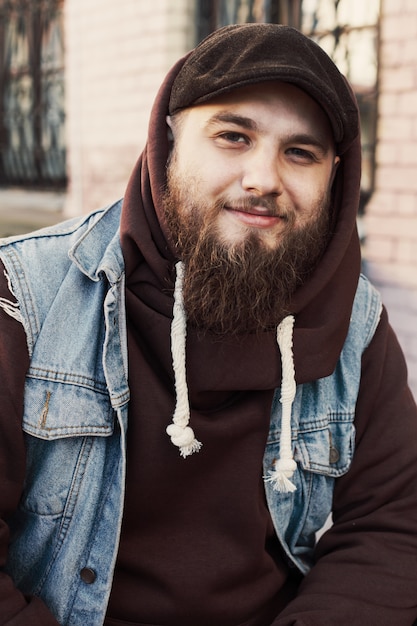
(244, 54)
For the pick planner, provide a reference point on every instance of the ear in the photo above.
(336, 162)
(169, 130)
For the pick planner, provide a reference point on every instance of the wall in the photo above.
(117, 54)
(391, 221)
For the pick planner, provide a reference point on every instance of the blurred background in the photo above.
(77, 82)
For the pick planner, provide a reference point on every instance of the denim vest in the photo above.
(69, 281)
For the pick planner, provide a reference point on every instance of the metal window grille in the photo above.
(32, 118)
(349, 32)
(213, 14)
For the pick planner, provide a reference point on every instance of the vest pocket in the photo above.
(327, 450)
(56, 409)
(63, 423)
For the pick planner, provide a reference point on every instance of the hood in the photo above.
(322, 306)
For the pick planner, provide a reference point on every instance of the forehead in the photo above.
(276, 102)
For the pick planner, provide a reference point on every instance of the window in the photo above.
(348, 30)
(32, 146)
(215, 13)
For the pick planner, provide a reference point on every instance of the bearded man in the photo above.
(197, 377)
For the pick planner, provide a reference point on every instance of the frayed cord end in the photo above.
(281, 474)
(195, 446)
(183, 437)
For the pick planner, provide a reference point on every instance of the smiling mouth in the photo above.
(256, 216)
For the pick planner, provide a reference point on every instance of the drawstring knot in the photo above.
(184, 439)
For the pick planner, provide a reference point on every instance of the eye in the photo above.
(233, 137)
(301, 154)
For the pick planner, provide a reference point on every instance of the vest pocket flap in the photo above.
(55, 410)
(327, 451)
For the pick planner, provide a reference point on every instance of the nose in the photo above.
(262, 173)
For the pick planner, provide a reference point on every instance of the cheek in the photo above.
(310, 189)
(213, 171)
(216, 179)
(226, 175)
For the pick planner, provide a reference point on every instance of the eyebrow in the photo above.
(248, 123)
(305, 139)
(232, 118)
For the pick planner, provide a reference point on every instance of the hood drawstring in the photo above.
(181, 434)
(285, 466)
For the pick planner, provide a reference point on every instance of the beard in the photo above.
(246, 286)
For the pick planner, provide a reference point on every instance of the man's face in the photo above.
(248, 188)
(264, 154)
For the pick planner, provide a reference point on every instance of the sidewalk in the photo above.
(24, 211)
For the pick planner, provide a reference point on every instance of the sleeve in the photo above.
(365, 568)
(15, 608)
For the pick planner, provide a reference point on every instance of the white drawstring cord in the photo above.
(285, 466)
(182, 435)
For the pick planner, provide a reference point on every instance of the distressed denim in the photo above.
(69, 281)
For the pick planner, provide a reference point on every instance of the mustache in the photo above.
(251, 203)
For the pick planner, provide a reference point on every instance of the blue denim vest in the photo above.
(69, 281)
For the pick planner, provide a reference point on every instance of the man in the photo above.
(227, 324)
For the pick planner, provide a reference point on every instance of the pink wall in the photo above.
(391, 216)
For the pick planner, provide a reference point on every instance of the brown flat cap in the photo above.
(244, 54)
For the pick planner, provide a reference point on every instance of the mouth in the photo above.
(256, 216)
